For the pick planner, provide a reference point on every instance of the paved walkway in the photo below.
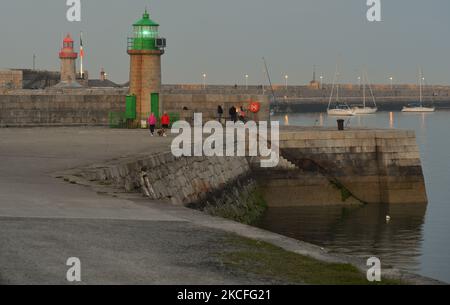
(44, 221)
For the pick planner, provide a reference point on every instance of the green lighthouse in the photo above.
(145, 49)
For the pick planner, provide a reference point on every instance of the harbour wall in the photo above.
(59, 107)
(316, 98)
(346, 167)
(67, 107)
(220, 186)
(324, 91)
(318, 167)
(207, 104)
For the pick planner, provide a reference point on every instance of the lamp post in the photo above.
(321, 82)
(359, 82)
(392, 82)
(204, 80)
(286, 77)
(246, 81)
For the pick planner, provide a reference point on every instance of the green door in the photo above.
(155, 104)
(130, 108)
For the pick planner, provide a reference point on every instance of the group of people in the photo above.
(235, 113)
(153, 121)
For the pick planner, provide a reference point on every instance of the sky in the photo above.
(227, 39)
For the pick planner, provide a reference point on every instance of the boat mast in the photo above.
(337, 87)
(270, 81)
(364, 91)
(332, 87)
(370, 89)
(420, 86)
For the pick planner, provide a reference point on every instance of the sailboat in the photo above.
(364, 109)
(339, 109)
(419, 107)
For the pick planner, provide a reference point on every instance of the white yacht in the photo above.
(419, 107)
(341, 110)
(338, 109)
(365, 109)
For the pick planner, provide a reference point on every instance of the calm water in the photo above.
(417, 238)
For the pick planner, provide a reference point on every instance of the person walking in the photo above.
(152, 123)
(165, 122)
(219, 113)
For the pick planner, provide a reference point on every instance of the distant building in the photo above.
(103, 82)
(98, 83)
(314, 84)
(11, 79)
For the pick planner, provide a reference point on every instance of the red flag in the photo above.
(81, 46)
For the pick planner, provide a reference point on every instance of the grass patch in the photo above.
(271, 262)
(247, 209)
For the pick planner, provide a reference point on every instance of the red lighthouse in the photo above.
(68, 57)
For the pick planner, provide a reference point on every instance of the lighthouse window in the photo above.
(146, 32)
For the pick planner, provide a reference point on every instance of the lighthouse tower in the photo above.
(68, 57)
(145, 49)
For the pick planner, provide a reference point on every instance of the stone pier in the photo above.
(352, 166)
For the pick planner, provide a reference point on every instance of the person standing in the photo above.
(219, 113)
(233, 114)
(165, 122)
(242, 114)
(152, 123)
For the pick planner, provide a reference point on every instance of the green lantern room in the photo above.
(145, 35)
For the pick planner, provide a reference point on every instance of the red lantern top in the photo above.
(67, 49)
(68, 39)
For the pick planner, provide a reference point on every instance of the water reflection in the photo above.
(359, 231)
(401, 240)
(379, 120)
(391, 120)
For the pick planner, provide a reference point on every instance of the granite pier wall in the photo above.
(350, 167)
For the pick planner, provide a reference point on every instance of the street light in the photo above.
(246, 81)
(392, 82)
(321, 81)
(359, 82)
(204, 80)
(286, 77)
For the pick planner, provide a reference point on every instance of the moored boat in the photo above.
(419, 107)
(341, 110)
(364, 109)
